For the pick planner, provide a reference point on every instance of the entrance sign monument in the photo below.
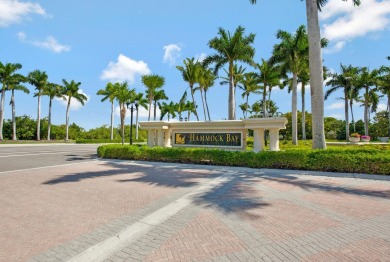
(224, 134)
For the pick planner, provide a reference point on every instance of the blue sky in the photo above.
(97, 41)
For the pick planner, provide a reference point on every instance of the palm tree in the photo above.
(343, 81)
(190, 108)
(366, 80)
(109, 93)
(250, 85)
(167, 109)
(244, 107)
(71, 90)
(384, 86)
(142, 102)
(152, 83)
(158, 96)
(206, 79)
(230, 49)
(238, 74)
(39, 79)
(123, 95)
(51, 90)
(269, 76)
(316, 70)
(7, 77)
(290, 54)
(16, 86)
(190, 72)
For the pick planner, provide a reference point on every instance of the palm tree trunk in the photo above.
(155, 110)
(13, 116)
(136, 125)
(366, 107)
(232, 102)
(303, 112)
(150, 108)
(265, 101)
(204, 107)
(316, 75)
(352, 117)
(346, 116)
(388, 111)
(123, 115)
(2, 112)
(49, 120)
(39, 119)
(294, 111)
(193, 101)
(67, 121)
(246, 106)
(112, 121)
(207, 106)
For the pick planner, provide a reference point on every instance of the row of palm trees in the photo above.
(13, 81)
(352, 81)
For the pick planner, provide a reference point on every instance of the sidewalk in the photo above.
(140, 211)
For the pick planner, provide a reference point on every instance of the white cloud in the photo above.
(382, 107)
(74, 104)
(125, 69)
(171, 53)
(49, 43)
(200, 57)
(14, 11)
(335, 48)
(337, 105)
(347, 22)
(142, 115)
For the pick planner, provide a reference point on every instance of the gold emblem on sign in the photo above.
(179, 139)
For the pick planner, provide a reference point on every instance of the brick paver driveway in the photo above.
(139, 211)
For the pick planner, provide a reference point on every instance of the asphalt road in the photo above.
(19, 157)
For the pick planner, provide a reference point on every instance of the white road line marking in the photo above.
(51, 153)
(42, 167)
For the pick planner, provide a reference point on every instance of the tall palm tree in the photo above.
(39, 79)
(109, 93)
(158, 96)
(206, 79)
(152, 83)
(367, 80)
(123, 95)
(18, 87)
(7, 77)
(269, 76)
(190, 72)
(71, 90)
(343, 81)
(250, 85)
(384, 86)
(231, 49)
(316, 70)
(290, 54)
(51, 90)
(142, 102)
(167, 109)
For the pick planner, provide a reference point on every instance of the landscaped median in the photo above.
(362, 159)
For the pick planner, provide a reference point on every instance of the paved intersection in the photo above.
(97, 210)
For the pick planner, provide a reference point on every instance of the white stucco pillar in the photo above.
(258, 140)
(274, 139)
(167, 138)
(151, 137)
(160, 137)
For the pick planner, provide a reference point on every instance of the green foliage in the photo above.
(362, 159)
(105, 141)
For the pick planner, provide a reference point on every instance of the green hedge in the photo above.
(104, 141)
(373, 160)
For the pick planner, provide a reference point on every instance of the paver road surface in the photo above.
(86, 209)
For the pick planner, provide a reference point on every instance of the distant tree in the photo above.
(71, 90)
(250, 85)
(124, 95)
(206, 79)
(51, 90)
(167, 109)
(39, 79)
(384, 87)
(109, 93)
(8, 76)
(152, 83)
(231, 49)
(190, 72)
(158, 96)
(142, 102)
